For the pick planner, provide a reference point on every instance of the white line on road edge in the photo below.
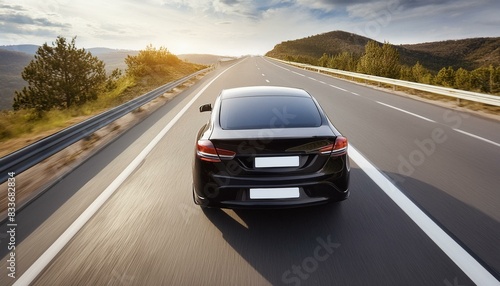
(407, 112)
(58, 245)
(477, 137)
(450, 247)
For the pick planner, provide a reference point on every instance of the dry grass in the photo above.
(21, 128)
(39, 177)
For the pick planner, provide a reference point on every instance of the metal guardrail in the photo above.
(451, 92)
(27, 157)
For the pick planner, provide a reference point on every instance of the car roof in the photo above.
(251, 91)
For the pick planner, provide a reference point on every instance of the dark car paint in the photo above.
(320, 178)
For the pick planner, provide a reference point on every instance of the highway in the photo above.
(149, 232)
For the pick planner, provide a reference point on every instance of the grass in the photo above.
(22, 127)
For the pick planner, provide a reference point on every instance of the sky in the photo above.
(240, 27)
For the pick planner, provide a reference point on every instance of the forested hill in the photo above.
(467, 53)
(475, 52)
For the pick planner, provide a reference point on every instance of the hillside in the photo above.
(468, 53)
(27, 49)
(13, 59)
(314, 47)
(475, 52)
(11, 66)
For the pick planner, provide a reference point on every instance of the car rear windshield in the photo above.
(268, 112)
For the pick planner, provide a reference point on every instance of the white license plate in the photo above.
(273, 162)
(274, 193)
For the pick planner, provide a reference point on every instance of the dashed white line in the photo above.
(263, 75)
(407, 112)
(339, 88)
(267, 81)
(38, 266)
(471, 267)
(477, 137)
(355, 93)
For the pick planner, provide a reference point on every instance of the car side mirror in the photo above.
(206, 107)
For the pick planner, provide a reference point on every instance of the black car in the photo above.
(268, 147)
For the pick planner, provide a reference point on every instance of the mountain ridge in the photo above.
(466, 53)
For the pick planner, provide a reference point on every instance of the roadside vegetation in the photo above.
(67, 85)
(383, 60)
(468, 64)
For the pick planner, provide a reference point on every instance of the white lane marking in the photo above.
(476, 272)
(477, 137)
(263, 75)
(354, 93)
(407, 112)
(339, 88)
(297, 73)
(58, 245)
(267, 81)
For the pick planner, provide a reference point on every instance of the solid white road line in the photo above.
(407, 112)
(476, 272)
(58, 245)
(477, 137)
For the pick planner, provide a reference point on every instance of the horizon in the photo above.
(241, 27)
(222, 55)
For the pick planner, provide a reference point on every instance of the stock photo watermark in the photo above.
(303, 270)
(426, 147)
(11, 225)
(376, 21)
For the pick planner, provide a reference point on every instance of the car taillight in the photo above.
(207, 152)
(336, 149)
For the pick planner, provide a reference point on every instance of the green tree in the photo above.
(151, 62)
(390, 61)
(480, 79)
(380, 60)
(60, 76)
(494, 79)
(324, 60)
(369, 63)
(344, 61)
(446, 77)
(421, 74)
(463, 79)
(406, 73)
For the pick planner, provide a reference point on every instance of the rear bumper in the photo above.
(235, 192)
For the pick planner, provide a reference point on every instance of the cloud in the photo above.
(240, 26)
(17, 21)
(28, 20)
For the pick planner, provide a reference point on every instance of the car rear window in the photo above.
(268, 112)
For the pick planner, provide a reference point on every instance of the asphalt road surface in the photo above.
(149, 232)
